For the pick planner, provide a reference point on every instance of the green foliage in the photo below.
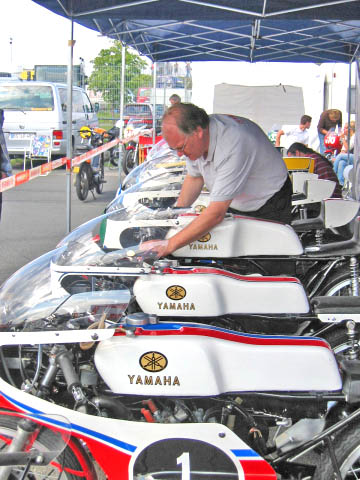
(106, 76)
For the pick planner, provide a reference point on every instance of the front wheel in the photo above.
(64, 467)
(130, 160)
(114, 156)
(99, 185)
(347, 452)
(82, 182)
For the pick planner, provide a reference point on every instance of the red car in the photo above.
(143, 112)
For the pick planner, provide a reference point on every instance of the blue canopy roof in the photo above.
(241, 30)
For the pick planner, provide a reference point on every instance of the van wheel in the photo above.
(82, 182)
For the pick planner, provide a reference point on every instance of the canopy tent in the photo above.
(248, 30)
(316, 31)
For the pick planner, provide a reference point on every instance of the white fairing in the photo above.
(339, 212)
(242, 236)
(315, 191)
(209, 294)
(214, 362)
(299, 178)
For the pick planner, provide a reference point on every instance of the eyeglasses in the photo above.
(182, 148)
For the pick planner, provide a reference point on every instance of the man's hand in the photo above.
(208, 219)
(161, 247)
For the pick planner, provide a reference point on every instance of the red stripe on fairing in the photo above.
(233, 337)
(115, 464)
(257, 470)
(225, 273)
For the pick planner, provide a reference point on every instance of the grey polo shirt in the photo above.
(241, 164)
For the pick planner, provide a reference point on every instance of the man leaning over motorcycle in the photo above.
(233, 157)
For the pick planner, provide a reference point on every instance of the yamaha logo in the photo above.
(176, 292)
(199, 208)
(153, 361)
(205, 238)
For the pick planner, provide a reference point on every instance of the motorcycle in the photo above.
(187, 400)
(216, 296)
(266, 248)
(90, 174)
(333, 145)
(133, 130)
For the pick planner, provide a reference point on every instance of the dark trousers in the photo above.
(277, 208)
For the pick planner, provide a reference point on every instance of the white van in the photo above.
(39, 108)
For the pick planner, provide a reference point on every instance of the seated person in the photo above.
(323, 167)
(346, 156)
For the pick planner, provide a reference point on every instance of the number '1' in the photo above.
(184, 461)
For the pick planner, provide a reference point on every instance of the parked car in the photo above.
(39, 109)
(144, 113)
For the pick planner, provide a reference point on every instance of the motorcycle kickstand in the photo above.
(330, 446)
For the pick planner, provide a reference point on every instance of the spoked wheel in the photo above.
(99, 186)
(347, 452)
(338, 284)
(114, 156)
(82, 182)
(339, 340)
(65, 467)
(130, 160)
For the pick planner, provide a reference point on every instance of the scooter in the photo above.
(90, 174)
(185, 400)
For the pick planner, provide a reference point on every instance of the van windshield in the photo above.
(26, 97)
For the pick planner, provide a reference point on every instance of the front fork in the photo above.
(26, 431)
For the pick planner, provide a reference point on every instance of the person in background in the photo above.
(174, 99)
(299, 133)
(323, 167)
(346, 156)
(5, 165)
(236, 161)
(329, 120)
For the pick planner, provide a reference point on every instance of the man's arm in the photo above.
(208, 219)
(278, 135)
(190, 191)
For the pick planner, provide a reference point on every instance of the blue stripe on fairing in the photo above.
(72, 426)
(179, 326)
(246, 453)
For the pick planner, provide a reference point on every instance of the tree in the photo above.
(106, 75)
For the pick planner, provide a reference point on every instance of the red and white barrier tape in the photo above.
(27, 175)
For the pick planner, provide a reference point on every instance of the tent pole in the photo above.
(154, 102)
(122, 90)
(71, 43)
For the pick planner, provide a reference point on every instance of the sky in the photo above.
(39, 37)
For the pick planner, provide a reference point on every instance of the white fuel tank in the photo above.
(210, 292)
(238, 236)
(191, 359)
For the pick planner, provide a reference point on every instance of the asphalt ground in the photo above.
(34, 216)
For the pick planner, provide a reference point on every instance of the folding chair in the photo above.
(300, 164)
(39, 148)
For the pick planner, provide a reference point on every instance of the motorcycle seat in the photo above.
(306, 224)
(336, 305)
